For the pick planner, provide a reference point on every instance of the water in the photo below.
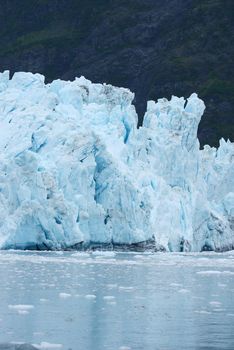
(99, 301)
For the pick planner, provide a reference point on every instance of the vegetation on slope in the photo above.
(155, 47)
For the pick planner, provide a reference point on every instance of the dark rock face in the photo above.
(154, 47)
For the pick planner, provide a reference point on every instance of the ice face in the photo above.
(74, 168)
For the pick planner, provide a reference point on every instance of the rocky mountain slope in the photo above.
(155, 47)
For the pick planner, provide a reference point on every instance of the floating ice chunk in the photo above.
(209, 272)
(64, 295)
(202, 312)
(104, 253)
(213, 272)
(218, 310)
(140, 257)
(126, 289)
(21, 307)
(80, 254)
(215, 303)
(23, 312)
(46, 346)
(108, 297)
(90, 296)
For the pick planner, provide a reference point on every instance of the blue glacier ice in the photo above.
(74, 168)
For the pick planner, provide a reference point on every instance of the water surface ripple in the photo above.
(117, 301)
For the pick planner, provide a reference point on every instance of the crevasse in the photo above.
(75, 170)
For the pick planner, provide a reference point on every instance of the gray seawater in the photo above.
(117, 301)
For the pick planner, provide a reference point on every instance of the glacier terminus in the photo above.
(75, 171)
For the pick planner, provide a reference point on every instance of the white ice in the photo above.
(46, 346)
(74, 168)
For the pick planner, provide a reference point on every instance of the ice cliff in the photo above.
(75, 170)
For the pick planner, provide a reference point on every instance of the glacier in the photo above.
(75, 171)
